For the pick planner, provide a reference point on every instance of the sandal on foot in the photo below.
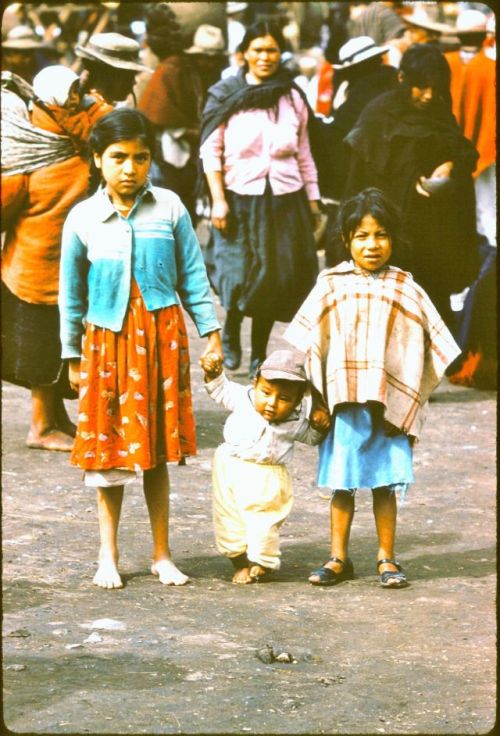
(389, 578)
(327, 576)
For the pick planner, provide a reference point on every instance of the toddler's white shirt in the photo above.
(251, 437)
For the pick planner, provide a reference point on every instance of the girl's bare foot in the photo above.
(168, 573)
(242, 577)
(52, 439)
(257, 571)
(107, 575)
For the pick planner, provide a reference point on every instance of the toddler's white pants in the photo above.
(250, 503)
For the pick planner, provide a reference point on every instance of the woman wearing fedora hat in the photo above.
(361, 75)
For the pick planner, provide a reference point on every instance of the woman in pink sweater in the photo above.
(263, 184)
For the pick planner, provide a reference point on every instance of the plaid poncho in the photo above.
(373, 338)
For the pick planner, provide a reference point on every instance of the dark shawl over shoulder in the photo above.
(234, 94)
(392, 145)
(392, 116)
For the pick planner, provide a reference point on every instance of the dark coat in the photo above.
(392, 145)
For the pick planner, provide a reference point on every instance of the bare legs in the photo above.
(385, 512)
(156, 491)
(341, 516)
(109, 503)
(51, 427)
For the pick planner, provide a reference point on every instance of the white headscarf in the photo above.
(53, 83)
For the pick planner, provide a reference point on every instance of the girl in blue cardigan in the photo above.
(130, 259)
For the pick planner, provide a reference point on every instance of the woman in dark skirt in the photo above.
(263, 184)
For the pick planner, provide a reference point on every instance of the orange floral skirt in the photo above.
(135, 406)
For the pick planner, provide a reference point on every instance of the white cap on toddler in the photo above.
(284, 365)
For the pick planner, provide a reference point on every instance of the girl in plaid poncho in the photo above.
(375, 349)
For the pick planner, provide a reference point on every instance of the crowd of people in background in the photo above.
(265, 122)
(354, 66)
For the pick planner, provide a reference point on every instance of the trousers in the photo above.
(250, 503)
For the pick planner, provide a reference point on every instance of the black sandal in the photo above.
(391, 579)
(327, 576)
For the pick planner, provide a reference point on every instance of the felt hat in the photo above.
(420, 19)
(284, 365)
(207, 40)
(113, 49)
(357, 50)
(22, 38)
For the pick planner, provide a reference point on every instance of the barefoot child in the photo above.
(376, 348)
(129, 257)
(251, 484)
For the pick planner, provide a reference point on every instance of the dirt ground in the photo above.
(155, 659)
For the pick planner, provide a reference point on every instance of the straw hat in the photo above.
(420, 19)
(113, 49)
(357, 50)
(22, 38)
(207, 40)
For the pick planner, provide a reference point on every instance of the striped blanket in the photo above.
(373, 338)
(26, 147)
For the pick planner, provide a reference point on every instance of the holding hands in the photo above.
(319, 419)
(212, 365)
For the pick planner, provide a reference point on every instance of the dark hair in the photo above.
(163, 32)
(374, 202)
(470, 38)
(263, 28)
(119, 125)
(423, 65)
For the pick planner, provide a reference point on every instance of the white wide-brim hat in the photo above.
(357, 50)
(22, 38)
(207, 40)
(233, 7)
(113, 49)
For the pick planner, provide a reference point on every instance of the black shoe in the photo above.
(390, 579)
(327, 576)
(254, 367)
(232, 358)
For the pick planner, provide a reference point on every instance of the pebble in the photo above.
(94, 638)
(16, 667)
(106, 623)
(22, 633)
(274, 653)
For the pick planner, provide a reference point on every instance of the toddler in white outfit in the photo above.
(251, 485)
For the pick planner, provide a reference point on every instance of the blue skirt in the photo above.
(357, 453)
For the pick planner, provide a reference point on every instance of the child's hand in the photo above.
(212, 365)
(320, 419)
